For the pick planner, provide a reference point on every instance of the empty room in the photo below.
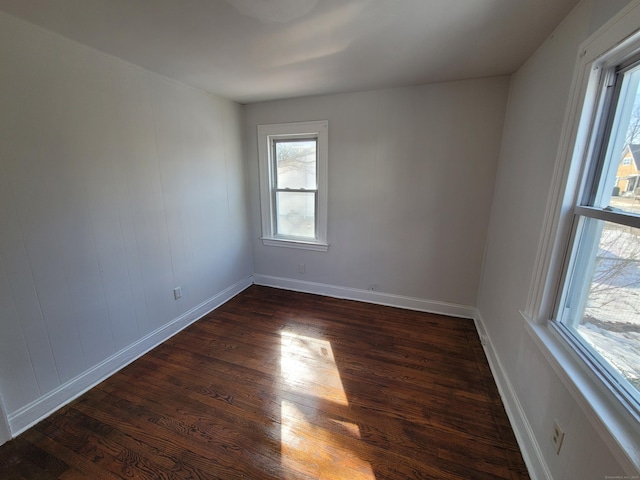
(320, 239)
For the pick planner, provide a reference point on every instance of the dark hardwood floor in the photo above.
(284, 385)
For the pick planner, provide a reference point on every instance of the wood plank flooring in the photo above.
(283, 385)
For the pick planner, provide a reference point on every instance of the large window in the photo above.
(598, 308)
(293, 175)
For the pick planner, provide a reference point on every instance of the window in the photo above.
(293, 184)
(598, 307)
(581, 308)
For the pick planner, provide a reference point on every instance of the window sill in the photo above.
(302, 245)
(615, 424)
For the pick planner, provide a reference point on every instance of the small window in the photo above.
(293, 184)
(599, 306)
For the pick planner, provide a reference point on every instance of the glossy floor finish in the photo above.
(283, 385)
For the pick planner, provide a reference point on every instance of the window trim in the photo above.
(267, 134)
(618, 425)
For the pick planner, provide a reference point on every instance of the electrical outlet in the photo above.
(177, 293)
(557, 437)
(301, 268)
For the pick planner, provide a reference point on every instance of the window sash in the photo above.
(274, 210)
(275, 141)
(609, 214)
(275, 189)
(570, 309)
(587, 231)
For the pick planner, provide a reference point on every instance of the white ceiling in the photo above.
(255, 50)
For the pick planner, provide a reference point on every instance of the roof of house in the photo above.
(634, 148)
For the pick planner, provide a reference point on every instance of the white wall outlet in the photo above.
(177, 293)
(557, 437)
(301, 268)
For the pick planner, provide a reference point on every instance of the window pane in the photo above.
(620, 184)
(296, 214)
(607, 277)
(296, 164)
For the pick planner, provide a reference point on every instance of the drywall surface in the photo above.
(116, 186)
(411, 174)
(538, 99)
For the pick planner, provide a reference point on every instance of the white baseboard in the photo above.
(369, 296)
(533, 458)
(44, 406)
(32, 413)
(5, 431)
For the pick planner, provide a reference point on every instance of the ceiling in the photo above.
(256, 50)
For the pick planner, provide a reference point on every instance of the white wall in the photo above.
(538, 99)
(116, 185)
(411, 174)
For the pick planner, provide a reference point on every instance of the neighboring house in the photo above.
(627, 174)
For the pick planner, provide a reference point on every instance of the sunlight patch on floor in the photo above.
(308, 367)
(312, 441)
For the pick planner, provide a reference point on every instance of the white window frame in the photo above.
(603, 405)
(267, 134)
